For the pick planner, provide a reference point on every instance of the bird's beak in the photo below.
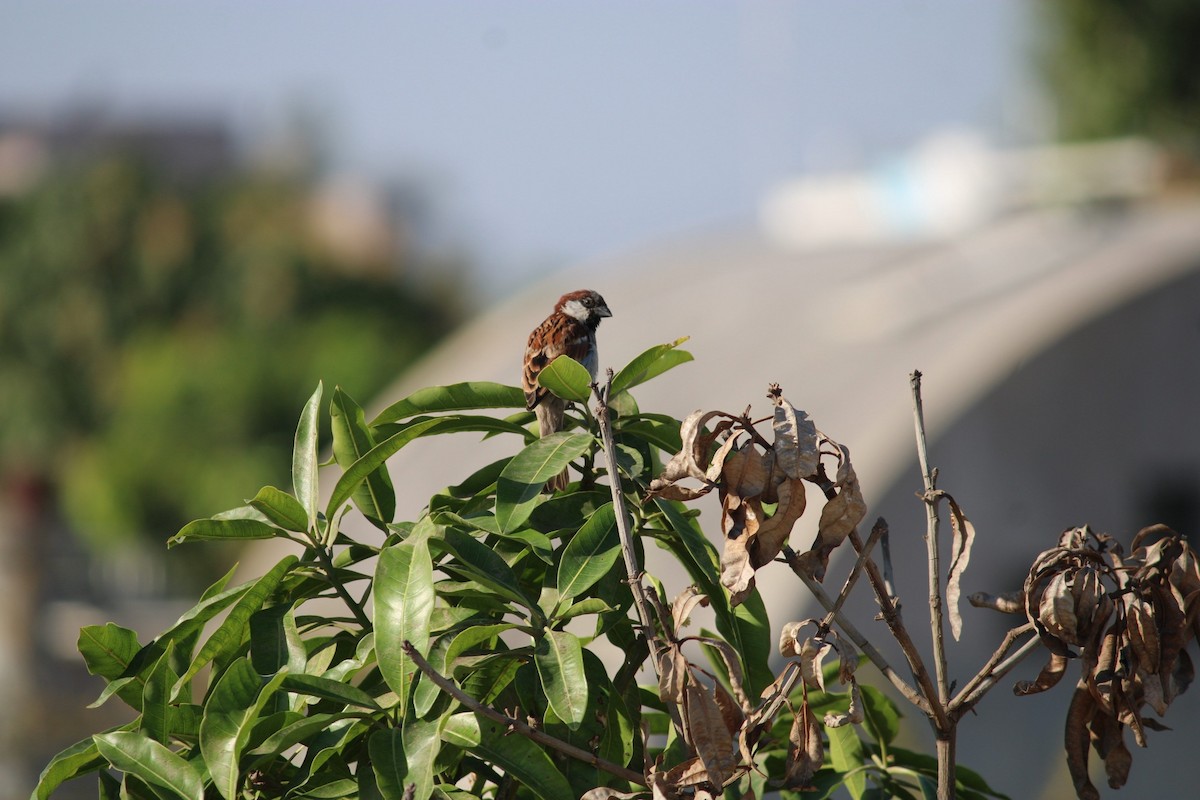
(602, 311)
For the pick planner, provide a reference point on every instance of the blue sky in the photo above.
(547, 133)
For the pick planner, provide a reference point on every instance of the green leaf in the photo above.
(156, 698)
(589, 605)
(352, 440)
(456, 397)
(228, 715)
(107, 649)
(559, 660)
(473, 637)
(275, 642)
(239, 529)
(304, 457)
(152, 762)
(590, 554)
(281, 508)
(328, 689)
(357, 472)
(846, 756)
(567, 378)
(881, 716)
(78, 759)
(228, 634)
(521, 482)
(650, 364)
(403, 601)
(406, 756)
(522, 759)
(480, 563)
(461, 730)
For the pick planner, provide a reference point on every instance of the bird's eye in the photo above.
(589, 302)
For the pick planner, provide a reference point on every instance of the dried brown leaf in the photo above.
(672, 674)
(1006, 603)
(683, 605)
(1050, 675)
(964, 538)
(1143, 634)
(745, 472)
(736, 573)
(731, 711)
(796, 446)
(789, 637)
(853, 715)
(705, 730)
(806, 751)
(688, 773)
(773, 532)
(1057, 609)
(812, 660)
(840, 514)
(1079, 715)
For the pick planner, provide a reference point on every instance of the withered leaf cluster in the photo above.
(722, 728)
(1128, 620)
(761, 486)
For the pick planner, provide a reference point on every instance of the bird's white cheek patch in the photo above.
(574, 308)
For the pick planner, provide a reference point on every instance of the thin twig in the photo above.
(877, 530)
(351, 603)
(518, 726)
(632, 570)
(996, 668)
(891, 616)
(937, 626)
(852, 633)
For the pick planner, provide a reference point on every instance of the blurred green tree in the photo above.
(151, 328)
(1116, 67)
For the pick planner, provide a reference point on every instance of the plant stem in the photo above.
(351, 603)
(518, 726)
(944, 727)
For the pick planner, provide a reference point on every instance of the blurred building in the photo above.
(1052, 300)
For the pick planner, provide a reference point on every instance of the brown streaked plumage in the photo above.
(569, 330)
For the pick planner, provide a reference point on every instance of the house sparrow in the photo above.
(571, 331)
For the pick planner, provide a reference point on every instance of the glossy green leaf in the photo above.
(152, 762)
(522, 759)
(229, 529)
(650, 364)
(275, 642)
(520, 484)
(567, 378)
(461, 423)
(281, 508)
(401, 757)
(403, 602)
(352, 440)
(590, 554)
(589, 605)
(473, 637)
(461, 730)
(108, 649)
(328, 689)
(478, 562)
(156, 698)
(846, 756)
(304, 457)
(881, 716)
(456, 397)
(559, 660)
(225, 727)
(229, 633)
(372, 460)
(78, 759)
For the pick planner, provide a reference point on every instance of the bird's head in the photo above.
(584, 305)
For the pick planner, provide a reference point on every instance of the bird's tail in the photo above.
(550, 420)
